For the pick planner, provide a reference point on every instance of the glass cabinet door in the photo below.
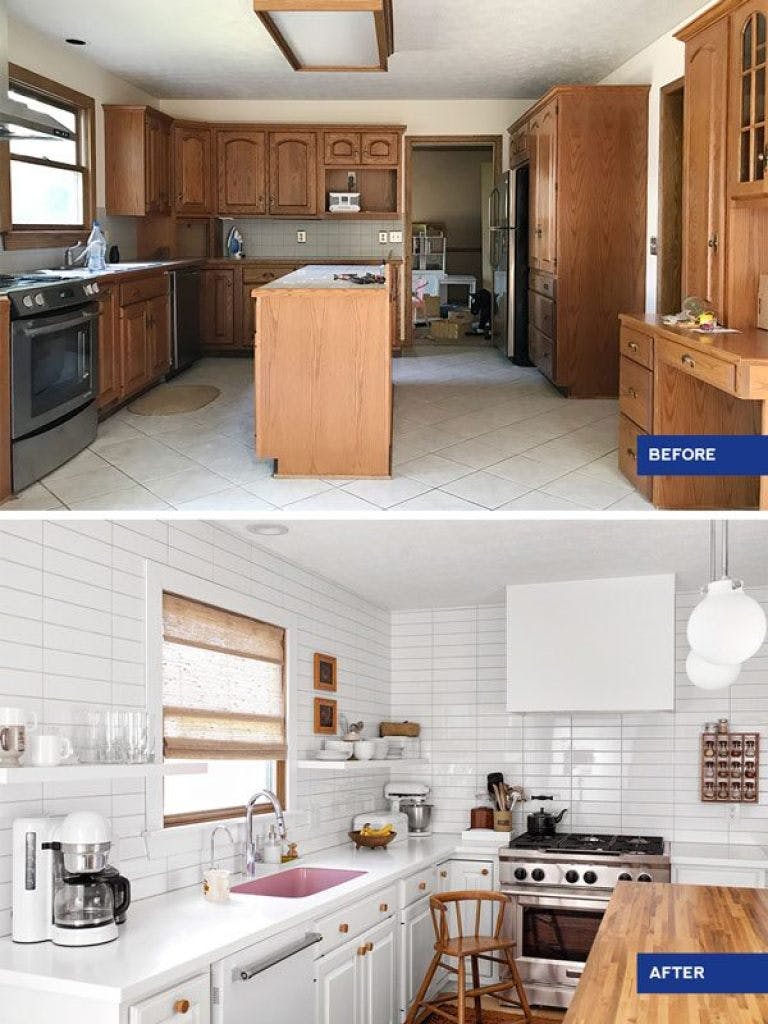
(753, 141)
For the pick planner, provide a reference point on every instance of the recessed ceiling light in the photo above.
(76, 42)
(267, 529)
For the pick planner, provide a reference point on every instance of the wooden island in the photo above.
(324, 373)
(664, 918)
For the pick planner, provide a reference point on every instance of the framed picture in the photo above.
(326, 717)
(325, 673)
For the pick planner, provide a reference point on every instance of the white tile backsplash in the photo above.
(624, 772)
(72, 635)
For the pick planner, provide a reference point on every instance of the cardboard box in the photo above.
(447, 330)
(762, 303)
(431, 307)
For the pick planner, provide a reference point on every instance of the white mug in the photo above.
(45, 749)
(216, 884)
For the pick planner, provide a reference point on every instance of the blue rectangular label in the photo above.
(702, 455)
(702, 973)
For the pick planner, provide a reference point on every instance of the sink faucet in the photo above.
(250, 845)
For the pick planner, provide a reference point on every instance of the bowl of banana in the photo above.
(373, 838)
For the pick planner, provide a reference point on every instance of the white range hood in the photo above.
(17, 120)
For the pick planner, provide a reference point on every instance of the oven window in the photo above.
(60, 368)
(559, 933)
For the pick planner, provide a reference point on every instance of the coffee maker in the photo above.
(64, 889)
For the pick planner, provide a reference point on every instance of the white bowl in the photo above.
(333, 755)
(380, 749)
(364, 750)
(340, 746)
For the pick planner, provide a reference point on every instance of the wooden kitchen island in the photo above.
(675, 381)
(664, 918)
(324, 373)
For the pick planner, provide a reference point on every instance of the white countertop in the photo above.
(720, 853)
(319, 277)
(168, 937)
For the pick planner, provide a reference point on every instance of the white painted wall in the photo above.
(660, 63)
(72, 636)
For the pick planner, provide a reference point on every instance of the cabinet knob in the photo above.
(181, 1006)
(713, 242)
(443, 874)
(484, 872)
(343, 928)
(632, 392)
(631, 453)
(422, 886)
(383, 907)
(369, 947)
(632, 346)
(362, 950)
(688, 361)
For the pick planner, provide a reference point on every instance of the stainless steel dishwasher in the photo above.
(271, 981)
(185, 299)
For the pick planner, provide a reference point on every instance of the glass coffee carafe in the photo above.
(90, 900)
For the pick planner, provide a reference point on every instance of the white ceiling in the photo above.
(445, 49)
(428, 563)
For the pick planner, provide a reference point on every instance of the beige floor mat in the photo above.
(171, 401)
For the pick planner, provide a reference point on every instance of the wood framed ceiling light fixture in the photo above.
(331, 35)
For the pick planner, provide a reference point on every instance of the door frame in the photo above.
(670, 95)
(412, 142)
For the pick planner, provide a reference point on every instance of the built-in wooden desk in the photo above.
(664, 918)
(673, 381)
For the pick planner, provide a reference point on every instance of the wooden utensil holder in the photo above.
(502, 821)
(730, 767)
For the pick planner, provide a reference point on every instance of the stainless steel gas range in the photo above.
(54, 371)
(559, 887)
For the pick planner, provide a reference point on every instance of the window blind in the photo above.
(223, 684)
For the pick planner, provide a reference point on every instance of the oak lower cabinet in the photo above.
(189, 1002)
(109, 350)
(158, 336)
(218, 308)
(356, 983)
(134, 348)
(256, 277)
(144, 333)
(588, 152)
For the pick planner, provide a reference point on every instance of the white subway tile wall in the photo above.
(72, 613)
(633, 773)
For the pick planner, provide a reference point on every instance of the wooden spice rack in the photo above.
(730, 767)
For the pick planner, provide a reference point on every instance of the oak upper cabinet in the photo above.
(749, 95)
(381, 149)
(543, 141)
(705, 147)
(218, 325)
(242, 172)
(293, 174)
(193, 170)
(519, 146)
(343, 149)
(137, 144)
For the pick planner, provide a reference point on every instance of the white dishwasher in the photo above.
(271, 982)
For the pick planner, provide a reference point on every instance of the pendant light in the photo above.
(727, 628)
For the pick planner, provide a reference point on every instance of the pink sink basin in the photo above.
(297, 883)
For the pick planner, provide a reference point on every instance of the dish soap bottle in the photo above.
(97, 249)
(273, 848)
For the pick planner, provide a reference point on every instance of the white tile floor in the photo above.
(472, 433)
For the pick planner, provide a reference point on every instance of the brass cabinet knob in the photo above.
(362, 950)
(343, 928)
(632, 392)
(181, 1006)
(443, 874)
(632, 346)
(484, 872)
(422, 886)
(383, 907)
(369, 947)
(631, 453)
(688, 361)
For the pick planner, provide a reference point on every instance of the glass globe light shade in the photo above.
(707, 676)
(727, 627)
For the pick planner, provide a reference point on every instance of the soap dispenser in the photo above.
(273, 847)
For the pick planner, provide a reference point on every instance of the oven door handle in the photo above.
(61, 325)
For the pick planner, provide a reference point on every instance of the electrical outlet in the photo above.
(301, 237)
(383, 238)
(396, 237)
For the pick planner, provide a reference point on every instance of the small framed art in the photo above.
(326, 717)
(325, 673)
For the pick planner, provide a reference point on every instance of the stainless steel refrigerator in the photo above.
(509, 264)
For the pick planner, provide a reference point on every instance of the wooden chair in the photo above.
(475, 947)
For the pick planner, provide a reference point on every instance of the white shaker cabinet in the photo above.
(188, 1003)
(356, 983)
(592, 645)
(719, 874)
(475, 876)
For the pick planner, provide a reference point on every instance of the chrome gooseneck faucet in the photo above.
(250, 846)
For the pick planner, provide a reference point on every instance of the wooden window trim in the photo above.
(229, 813)
(48, 236)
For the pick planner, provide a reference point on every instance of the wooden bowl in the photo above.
(371, 842)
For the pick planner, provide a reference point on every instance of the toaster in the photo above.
(378, 819)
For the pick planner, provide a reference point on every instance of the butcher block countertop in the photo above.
(663, 918)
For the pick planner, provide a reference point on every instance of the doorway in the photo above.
(669, 298)
(448, 181)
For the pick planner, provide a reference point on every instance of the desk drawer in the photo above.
(701, 365)
(355, 919)
(141, 291)
(628, 434)
(543, 314)
(542, 352)
(543, 284)
(637, 346)
(636, 393)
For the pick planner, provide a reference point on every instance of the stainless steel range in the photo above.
(559, 887)
(54, 371)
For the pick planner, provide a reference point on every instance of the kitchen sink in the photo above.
(297, 883)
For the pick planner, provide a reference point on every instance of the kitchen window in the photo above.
(224, 703)
(52, 199)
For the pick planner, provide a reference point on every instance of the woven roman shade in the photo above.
(223, 684)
